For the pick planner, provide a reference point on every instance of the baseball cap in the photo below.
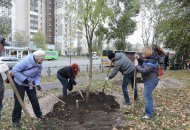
(3, 42)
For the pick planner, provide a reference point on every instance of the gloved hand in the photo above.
(38, 87)
(136, 62)
(137, 68)
(26, 81)
(7, 81)
(106, 79)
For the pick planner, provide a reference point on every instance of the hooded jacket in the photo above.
(28, 69)
(67, 72)
(123, 64)
(149, 69)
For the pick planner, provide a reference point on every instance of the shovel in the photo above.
(107, 76)
(80, 92)
(47, 93)
(102, 93)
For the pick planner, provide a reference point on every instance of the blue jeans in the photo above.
(127, 79)
(64, 83)
(16, 116)
(149, 86)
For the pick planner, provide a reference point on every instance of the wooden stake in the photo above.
(19, 99)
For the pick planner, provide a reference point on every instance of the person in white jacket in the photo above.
(2, 44)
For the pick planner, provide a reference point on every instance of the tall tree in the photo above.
(149, 15)
(39, 40)
(91, 13)
(21, 38)
(121, 24)
(174, 28)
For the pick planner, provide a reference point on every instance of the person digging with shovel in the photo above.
(66, 76)
(25, 73)
(123, 64)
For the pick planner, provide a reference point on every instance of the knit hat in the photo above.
(3, 42)
(111, 55)
(39, 54)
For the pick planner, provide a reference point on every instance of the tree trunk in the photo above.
(89, 75)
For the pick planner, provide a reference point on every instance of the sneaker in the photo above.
(146, 117)
(41, 117)
(126, 103)
(16, 125)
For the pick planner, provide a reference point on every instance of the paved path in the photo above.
(50, 85)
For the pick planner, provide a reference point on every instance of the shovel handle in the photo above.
(80, 92)
(48, 94)
(107, 76)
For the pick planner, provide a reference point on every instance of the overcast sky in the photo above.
(136, 36)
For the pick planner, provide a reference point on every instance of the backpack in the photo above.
(160, 71)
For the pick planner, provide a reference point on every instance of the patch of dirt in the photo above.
(100, 113)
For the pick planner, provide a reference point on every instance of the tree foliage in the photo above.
(121, 24)
(4, 20)
(6, 3)
(39, 40)
(150, 16)
(174, 27)
(21, 38)
(4, 26)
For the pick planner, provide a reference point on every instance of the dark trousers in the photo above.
(16, 116)
(128, 78)
(1, 92)
(64, 83)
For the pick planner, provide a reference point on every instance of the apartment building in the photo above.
(68, 39)
(50, 21)
(34, 16)
(52, 18)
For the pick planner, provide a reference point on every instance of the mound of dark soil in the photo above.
(100, 113)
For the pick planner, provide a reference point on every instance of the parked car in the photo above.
(10, 61)
(94, 57)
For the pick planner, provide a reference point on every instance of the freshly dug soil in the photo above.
(100, 113)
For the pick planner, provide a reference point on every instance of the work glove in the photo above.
(26, 81)
(137, 67)
(7, 81)
(136, 62)
(38, 87)
(106, 79)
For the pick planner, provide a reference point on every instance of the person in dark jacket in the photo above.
(67, 77)
(2, 44)
(166, 61)
(25, 73)
(123, 64)
(149, 72)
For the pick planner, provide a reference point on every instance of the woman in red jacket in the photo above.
(67, 77)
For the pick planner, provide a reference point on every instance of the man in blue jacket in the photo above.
(25, 73)
(123, 64)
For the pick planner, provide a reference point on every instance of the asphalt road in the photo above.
(64, 61)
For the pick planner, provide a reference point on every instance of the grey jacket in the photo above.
(122, 64)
